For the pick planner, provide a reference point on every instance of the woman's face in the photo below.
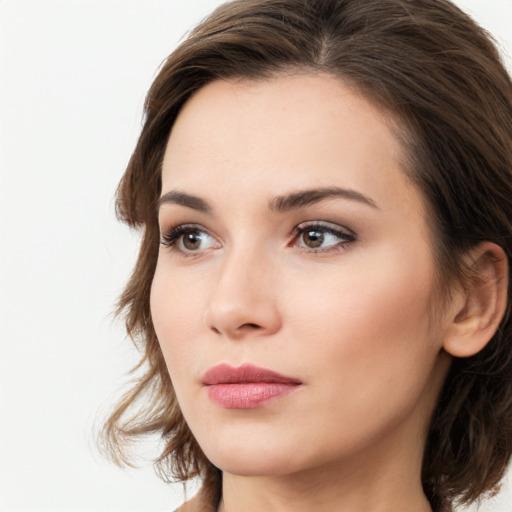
(292, 241)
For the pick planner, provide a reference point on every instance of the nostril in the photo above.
(250, 326)
(242, 328)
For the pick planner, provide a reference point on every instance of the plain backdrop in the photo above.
(73, 75)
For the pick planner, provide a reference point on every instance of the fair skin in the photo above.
(342, 307)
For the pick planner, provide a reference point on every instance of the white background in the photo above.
(73, 79)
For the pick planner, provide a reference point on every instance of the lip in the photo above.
(246, 386)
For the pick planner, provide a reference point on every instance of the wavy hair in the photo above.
(440, 75)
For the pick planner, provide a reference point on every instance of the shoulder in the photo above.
(204, 501)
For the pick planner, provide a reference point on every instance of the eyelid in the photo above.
(325, 226)
(170, 236)
(345, 235)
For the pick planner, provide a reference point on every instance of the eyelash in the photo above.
(346, 237)
(172, 237)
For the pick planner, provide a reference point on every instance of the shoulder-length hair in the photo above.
(440, 76)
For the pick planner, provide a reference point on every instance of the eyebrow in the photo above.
(304, 198)
(183, 199)
(281, 204)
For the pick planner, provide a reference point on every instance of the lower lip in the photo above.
(248, 395)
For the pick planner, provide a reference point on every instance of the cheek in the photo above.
(371, 319)
(176, 318)
(366, 347)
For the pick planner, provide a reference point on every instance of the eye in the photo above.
(319, 237)
(188, 238)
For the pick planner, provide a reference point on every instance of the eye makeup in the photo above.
(189, 239)
(312, 237)
(322, 237)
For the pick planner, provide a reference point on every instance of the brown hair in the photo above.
(440, 75)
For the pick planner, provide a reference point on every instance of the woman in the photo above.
(325, 193)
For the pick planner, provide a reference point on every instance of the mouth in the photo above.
(246, 386)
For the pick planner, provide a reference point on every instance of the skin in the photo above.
(350, 319)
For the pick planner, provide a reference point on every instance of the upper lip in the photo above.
(226, 374)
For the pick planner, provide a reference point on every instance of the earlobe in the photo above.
(480, 306)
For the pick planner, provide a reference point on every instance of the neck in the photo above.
(323, 492)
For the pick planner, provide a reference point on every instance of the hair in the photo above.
(440, 76)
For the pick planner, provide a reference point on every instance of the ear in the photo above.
(479, 307)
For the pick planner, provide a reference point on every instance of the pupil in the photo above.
(314, 239)
(192, 241)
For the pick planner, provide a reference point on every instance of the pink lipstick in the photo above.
(246, 386)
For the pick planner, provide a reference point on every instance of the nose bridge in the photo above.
(243, 299)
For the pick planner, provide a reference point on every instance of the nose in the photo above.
(243, 302)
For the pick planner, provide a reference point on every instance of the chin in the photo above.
(246, 455)
(253, 464)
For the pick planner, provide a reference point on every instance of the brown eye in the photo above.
(188, 239)
(195, 240)
(322, 238)
(192, 241)
(313, 239)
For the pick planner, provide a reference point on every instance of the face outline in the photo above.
(369, 359)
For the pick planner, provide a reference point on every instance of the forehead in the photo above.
(288, 131)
